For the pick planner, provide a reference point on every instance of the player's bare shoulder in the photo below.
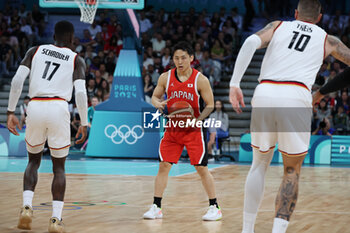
(27, 60)
(267, 32)
(338, 49)
(79, 68)
(203, 82)
(163, 79)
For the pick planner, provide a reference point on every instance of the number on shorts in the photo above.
(48, 63)
(299, 47)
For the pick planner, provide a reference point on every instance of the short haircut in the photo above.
(309, 9)
(64, 30)
(184, 46)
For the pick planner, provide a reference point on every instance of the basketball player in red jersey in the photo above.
(184, 84)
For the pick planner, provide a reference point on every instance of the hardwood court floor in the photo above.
(115, 204)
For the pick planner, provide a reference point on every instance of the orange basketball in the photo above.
(180, 111)
(91, 2)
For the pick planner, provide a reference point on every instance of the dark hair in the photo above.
(27, 97)
(309, 9)
(64, 30)
(184, 46)
(222, 106)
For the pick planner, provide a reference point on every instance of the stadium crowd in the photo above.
(215, 39)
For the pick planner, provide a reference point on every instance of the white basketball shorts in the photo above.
(48, 119)
(282, 114)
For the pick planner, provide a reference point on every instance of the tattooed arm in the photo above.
(337, 49)
(266, 33)
(256, 41)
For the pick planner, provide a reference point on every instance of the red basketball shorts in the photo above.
(173, 143)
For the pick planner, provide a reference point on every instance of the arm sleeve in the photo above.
(340, 81)
(245, 55)
(16, 86)
(81, 100)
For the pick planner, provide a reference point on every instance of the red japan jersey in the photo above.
(183, 91)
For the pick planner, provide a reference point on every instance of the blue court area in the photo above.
(100, 166)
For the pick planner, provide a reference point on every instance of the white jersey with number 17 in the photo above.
(295, 53)
(51, 73)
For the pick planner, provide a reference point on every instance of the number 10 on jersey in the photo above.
(302, 41)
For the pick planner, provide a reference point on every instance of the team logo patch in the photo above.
(190, 85)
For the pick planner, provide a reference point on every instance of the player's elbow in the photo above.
(253, 41)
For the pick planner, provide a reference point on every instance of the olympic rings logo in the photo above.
(124, 133)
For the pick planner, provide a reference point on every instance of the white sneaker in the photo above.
(213, 214)
(153, 213)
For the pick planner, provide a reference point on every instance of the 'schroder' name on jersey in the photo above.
(55, 54)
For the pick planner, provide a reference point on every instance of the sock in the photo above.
(57, 207)
(248, 222)
(28, 198)
(158, 201)
(279, 225)
(213, 202)
(254, 188)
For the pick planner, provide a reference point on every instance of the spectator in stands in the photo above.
(99, 94)
(337, 68)
(94, 28)
(115, 44)
(324, 128)
(217, 51)
(158, 44)
(198, 53)
(344, 102)
(324, 70)
(91, 109)
(166, 57)
(105, 86)
(98, 79)
(322, 111)
(216, 134)
(22, 11)
(341, 121)
(23, 110)
(5, 55)
(103, 71)
(158, 67)
(99, 43)
(237, 18)
(148, 87)
(207, 64)
(87, 39)
(91, 88)
(111, 61)
(154, 75)
(145, 24)
(27, 29)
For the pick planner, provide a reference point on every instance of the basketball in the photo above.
(180, 111)
(90, 2)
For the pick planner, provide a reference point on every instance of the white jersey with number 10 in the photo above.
(295, 53)
(51, 72)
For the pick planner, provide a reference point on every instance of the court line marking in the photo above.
(240, 209)
(210, 169)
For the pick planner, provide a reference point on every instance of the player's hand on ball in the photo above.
(236, 99)
(83, 132)
(160, 105)
(12, 122)
(316, 97)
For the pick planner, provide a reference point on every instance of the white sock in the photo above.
(254, 188)
(248, 222)
(28, 198)
(57, 207)
(279, 225)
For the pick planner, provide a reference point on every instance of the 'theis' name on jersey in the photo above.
(182, 94)
(304, 28)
